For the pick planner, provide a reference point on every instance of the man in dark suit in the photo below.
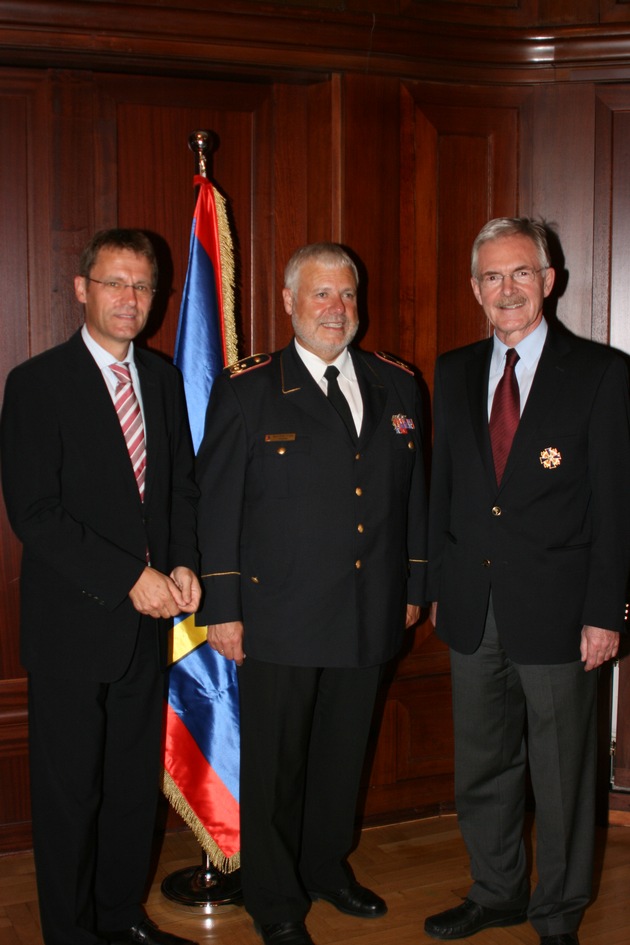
(529, 556)
(312, 525)
(109, 555)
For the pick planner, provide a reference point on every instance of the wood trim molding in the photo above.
(249, 39)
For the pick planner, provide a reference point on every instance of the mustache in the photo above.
(511, 301)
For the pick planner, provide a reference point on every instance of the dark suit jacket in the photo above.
(73, 501)
(316, 542)
(552, 543)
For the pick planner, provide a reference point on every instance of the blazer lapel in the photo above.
(548, 378)
(477, 372)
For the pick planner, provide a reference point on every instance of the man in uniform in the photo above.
(312, 532)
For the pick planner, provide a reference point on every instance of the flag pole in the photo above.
(205, 888)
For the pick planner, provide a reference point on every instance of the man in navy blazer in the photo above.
(528, 570)
(312, 534)
(103, 569)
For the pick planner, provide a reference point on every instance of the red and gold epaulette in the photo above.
(247, 364)
(390, 359)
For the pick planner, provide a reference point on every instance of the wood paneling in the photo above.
(396, 128)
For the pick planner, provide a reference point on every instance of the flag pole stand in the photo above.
(203, 889)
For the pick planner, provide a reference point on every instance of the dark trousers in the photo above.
(304, 733)
(95, 764)
(495, 702)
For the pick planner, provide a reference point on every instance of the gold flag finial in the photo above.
(199, 142)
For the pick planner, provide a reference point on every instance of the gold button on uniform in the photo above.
(359, 490)
(496, 510)
(281, 450)
(357, 564)
(486, 562)
(360, 528)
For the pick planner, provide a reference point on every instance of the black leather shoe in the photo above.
(353, 900)
(563, 938)
(469, 918)
(284, 933)
(146, 933)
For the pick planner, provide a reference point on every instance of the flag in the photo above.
(201, 748)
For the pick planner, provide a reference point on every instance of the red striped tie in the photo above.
(128, 410)
(505, 414)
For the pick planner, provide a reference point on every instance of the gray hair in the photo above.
(512, 226)
(329, 255)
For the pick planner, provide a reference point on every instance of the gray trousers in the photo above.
(503, 714)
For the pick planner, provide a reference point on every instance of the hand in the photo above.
(597, 646)
(155, 594)
(227, 639)
(433, 612)
(189, 588)
(413, 615)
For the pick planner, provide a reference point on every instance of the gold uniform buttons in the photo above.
(486, 563)
(281, 450)
(357, 564)
(358, 490)
(497, 510)
(255, 580)
(411, 445)
(360, 528)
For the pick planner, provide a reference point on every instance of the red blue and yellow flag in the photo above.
(201, 750)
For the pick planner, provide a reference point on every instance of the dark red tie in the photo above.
(505, 414)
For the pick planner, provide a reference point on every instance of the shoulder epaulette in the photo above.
(247, 364)
(390, 359)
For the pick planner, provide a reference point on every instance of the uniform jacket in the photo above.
(315, 541)
(72, 500)
(553, 542)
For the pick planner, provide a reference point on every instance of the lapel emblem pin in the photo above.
(402, 424)
(550, 458)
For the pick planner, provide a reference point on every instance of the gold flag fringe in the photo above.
(223, 863)
(226, 249)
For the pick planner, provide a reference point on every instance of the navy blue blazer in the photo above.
(553, 542)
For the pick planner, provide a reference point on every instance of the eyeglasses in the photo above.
(117, 288)
(524, 276)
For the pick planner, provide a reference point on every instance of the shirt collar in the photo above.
(102, 357)
(317, 366)
(529, 349)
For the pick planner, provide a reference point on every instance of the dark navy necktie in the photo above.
(338, 400)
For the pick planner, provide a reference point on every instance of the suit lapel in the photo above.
(477, 371)
(549, 377)
(373, 394)
(151, 409)
(95, 411)
(299, 387)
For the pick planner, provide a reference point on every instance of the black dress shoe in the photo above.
(146, 933)
(284, 933)
(353, 900)
(469, 918)
(563, 938)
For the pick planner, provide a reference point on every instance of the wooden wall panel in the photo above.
(461, 159)
(399, 129)
(558, 151)
(25, 319)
